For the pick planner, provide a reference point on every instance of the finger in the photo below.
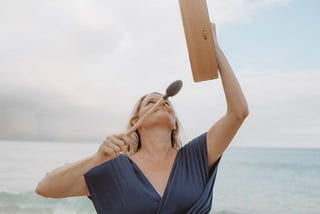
(110, 143)
(114, 147)
(116, 140)
(124, 138)
(107, 150)
(121, 140)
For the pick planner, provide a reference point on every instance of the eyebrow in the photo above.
(151, 99)
(154, 99)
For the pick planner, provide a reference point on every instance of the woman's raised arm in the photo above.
(222, 132)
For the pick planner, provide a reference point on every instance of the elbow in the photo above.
(244, 113)
(41, 191)
(241, 114)
(44, 191)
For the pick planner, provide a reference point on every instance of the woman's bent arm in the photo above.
(68, 180)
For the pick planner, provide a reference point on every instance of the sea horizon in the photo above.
(99, 141)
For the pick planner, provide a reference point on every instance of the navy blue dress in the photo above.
(119, 186)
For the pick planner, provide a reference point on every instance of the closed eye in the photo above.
(150, 101)
(153, 102)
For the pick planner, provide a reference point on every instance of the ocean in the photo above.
(249, 180)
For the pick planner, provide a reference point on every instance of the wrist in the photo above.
(98, 159)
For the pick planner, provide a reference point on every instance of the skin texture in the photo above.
(222, 132)
(156, 155)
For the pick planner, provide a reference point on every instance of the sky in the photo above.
(73, 70)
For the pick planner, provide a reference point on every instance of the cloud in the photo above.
(240, 10)
(74, 69)
(283, 108)
(57, 30)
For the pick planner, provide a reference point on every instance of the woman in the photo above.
(150, 172)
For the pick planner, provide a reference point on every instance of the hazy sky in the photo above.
(73, 70)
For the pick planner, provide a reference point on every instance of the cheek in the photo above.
(143, 110)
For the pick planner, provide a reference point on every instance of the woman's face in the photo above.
(164, 114)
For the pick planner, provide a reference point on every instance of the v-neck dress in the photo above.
(119, 186)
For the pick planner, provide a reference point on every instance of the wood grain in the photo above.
(199, 39)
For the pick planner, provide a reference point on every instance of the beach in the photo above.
(249, 180)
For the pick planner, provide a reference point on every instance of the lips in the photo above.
(161, 110)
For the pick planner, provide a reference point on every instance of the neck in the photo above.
(155, 142)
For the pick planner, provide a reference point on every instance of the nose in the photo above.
(165, 103)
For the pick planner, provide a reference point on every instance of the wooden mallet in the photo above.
(172, 90)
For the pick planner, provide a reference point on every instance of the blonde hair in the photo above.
(135, 143)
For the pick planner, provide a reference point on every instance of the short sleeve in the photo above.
(196, 155)
(99, 180)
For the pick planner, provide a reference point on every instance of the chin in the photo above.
(160, 119)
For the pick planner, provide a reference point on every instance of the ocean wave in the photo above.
(227, 212)
(30, 203)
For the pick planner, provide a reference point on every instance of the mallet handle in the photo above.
(145, 116)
